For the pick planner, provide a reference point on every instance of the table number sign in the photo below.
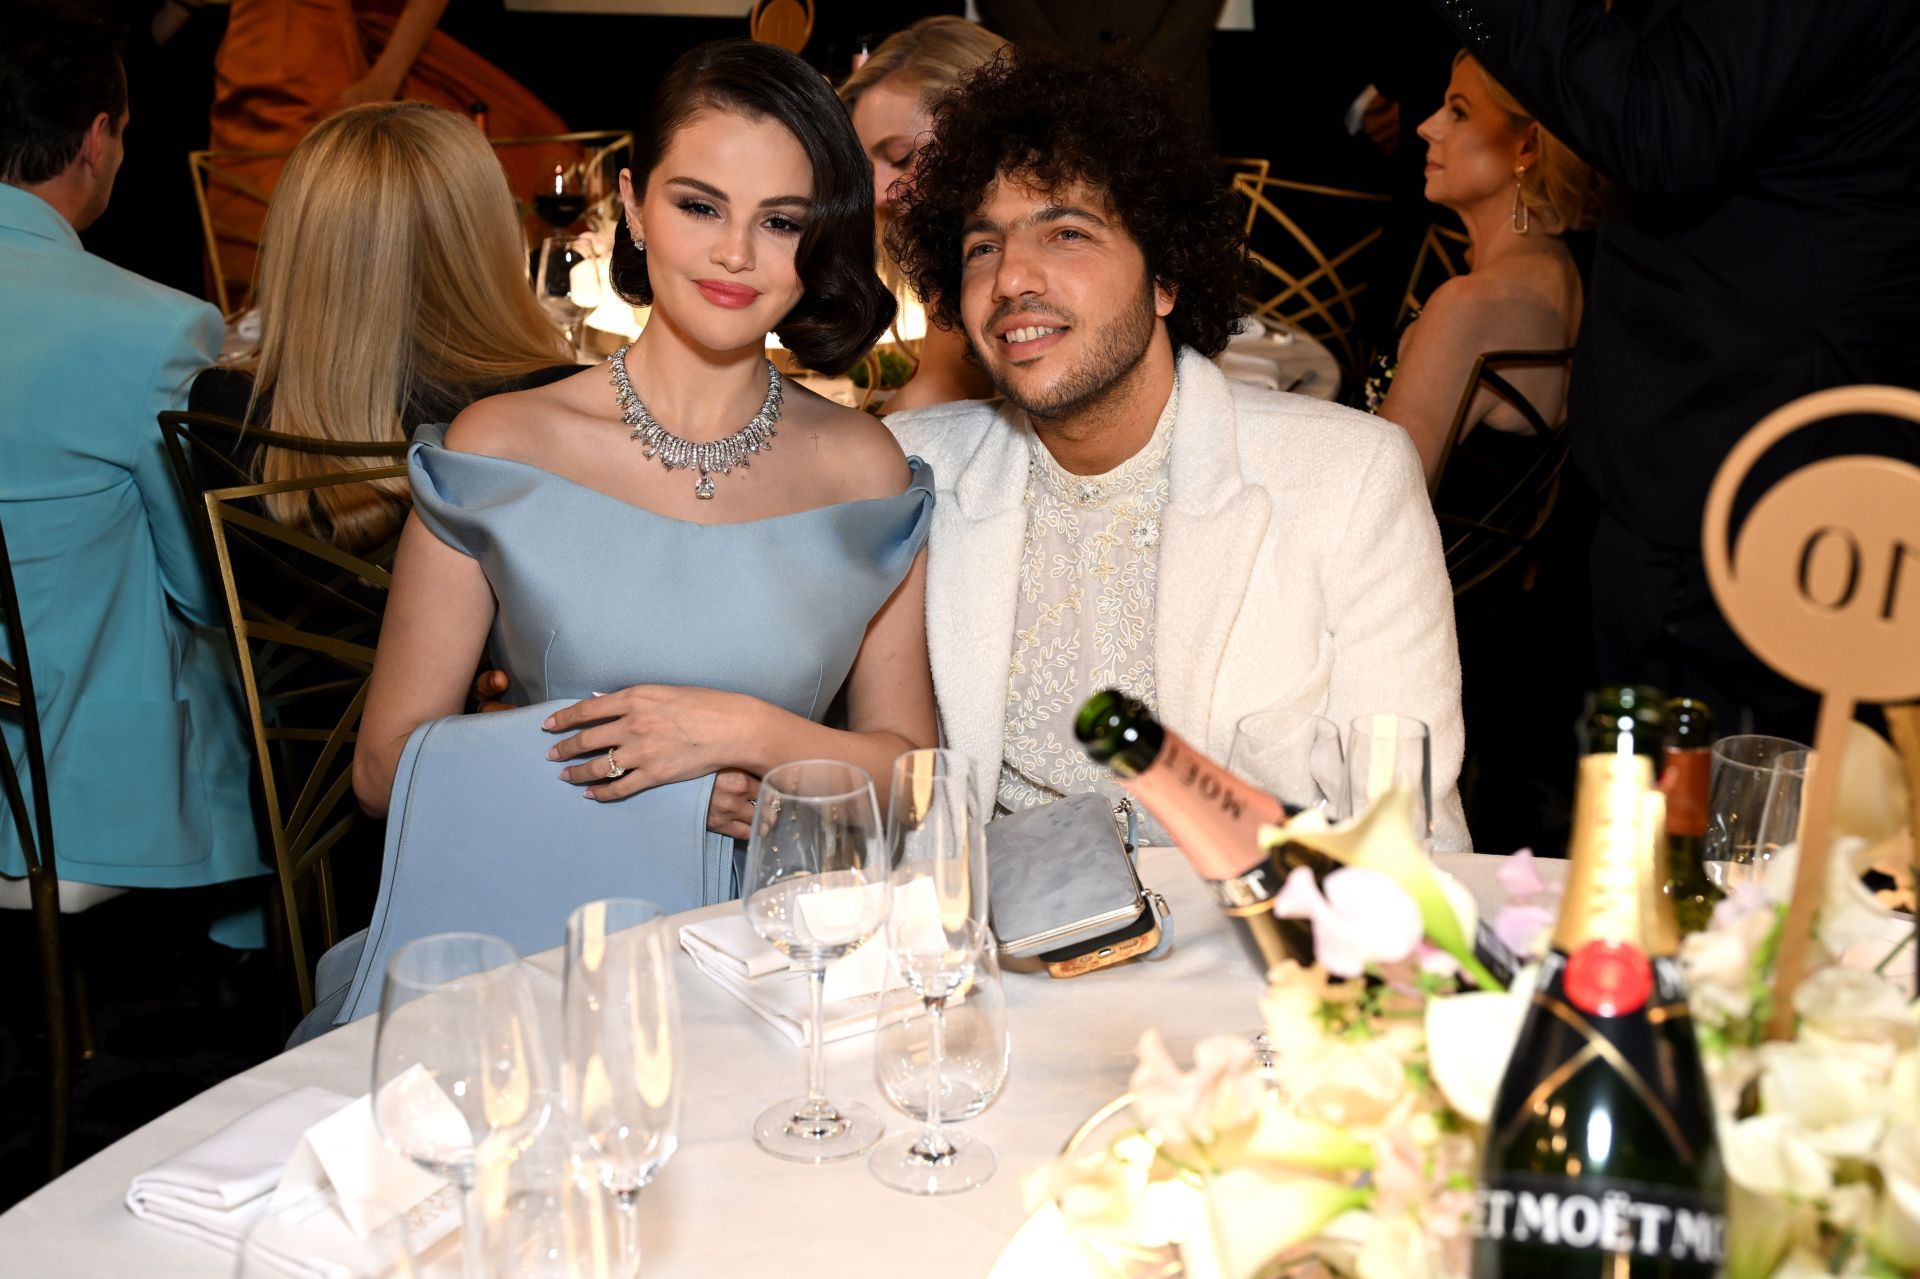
(1824, 585)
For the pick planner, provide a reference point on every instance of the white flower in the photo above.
(1257, 1215)
(1469, 1038)
(1361, 918)
(1719, 965)
(1188, 1110)
(1896, 1235)
(1770, 1155)
(1837, 1108)
(1857, 1005)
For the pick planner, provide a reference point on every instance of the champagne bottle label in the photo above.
(1603, 1215)
(1683, 780)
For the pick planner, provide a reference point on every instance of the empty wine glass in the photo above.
(554, 279)
(549, 1222)
(621, 1072)
(1295, 757)
(1388, 749)
(815, 888)
(459, 1075)
(312, 1235)
(1753, 809)
(936, 929)
(974, 1051)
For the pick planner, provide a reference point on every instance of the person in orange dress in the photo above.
(287, 64)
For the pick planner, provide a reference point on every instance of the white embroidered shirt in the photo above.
(1084, 617)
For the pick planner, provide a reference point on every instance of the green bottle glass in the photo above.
(1601, 1159)
(1624, 719)
(1685, 770)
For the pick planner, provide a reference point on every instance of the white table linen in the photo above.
(722, 1207)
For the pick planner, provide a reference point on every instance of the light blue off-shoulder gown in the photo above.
(596, 594)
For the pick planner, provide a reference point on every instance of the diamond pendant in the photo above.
(704, 489)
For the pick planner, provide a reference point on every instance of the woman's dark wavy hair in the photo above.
(1053, 116)
(845, 306)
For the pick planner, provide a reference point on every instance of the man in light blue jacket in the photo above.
(145, 736)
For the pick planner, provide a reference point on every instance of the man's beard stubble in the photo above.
(1114, 352)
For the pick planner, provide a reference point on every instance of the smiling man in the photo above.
(1124, 516)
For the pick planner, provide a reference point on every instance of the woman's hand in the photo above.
(657, 733)
(735, 797)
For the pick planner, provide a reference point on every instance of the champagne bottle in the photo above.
(1685, 770)
(1212, 815)
(1601, 1156)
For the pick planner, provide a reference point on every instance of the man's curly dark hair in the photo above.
(1053, 116)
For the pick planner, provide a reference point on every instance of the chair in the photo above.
(787, 23)
(44, 893)
(305, 617)
(249, 176)
(1298, 283)
(1442, 255)
(1478, 544)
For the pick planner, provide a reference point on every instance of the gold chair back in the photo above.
(1478, 544)
(1442, 255)
(787, 23)
(305, 617)
(1300, 282)
(35, 833)
(247, 178)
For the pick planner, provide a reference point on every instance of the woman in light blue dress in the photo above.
(677, 628)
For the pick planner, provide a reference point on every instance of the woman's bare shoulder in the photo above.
(857, 454)
(518, 425)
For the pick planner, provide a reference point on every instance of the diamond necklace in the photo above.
(716, 457)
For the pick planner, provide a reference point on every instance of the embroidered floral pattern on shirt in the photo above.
(1084, 617)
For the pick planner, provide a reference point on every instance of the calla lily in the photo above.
(1896, 1235)
(1257, 1215)
(1760, 1230)
(1189, 1110)
(1382, 839)
(1469, 1038)
(1770, 1155)
(1287, 1140)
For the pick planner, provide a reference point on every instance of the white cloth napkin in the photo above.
(214, 1190)
(727, 950)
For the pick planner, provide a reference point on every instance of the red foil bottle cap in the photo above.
(1608, 978)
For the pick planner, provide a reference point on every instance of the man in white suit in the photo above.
(1125, 516)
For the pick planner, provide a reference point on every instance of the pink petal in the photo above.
(1436, 961)
(1383, 921)
(1520, 876)
(1299, 897)
(1519, 926)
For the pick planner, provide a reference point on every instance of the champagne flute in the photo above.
(1754, 805)
(1387, 749)
(621, 1072)
(936, 929)
(815, 888)
(1295, 757)
(459, 1079)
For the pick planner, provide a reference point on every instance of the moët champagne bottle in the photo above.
(1601, 1159)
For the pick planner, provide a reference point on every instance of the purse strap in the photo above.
(1124, 813)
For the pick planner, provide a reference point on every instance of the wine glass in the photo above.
(1753, 809)
(561, 206)
(974, 1050)
(815, 888)
(459, 1075)
(312, 1234)
(1295, 757)
(936, 929)
(549, 1222)
(553, 282)
(621, 1072)
(1385, 750)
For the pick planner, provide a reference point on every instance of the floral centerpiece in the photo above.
(1349, 1144)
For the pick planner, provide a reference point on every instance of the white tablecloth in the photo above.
(722, 1207)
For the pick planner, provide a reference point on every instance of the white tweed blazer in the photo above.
(1300, 569)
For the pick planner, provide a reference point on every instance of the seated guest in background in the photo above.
(144, 736)
(1126, 516)
(402, 208)
(891, 99)
(1516, 190)
(720, 606)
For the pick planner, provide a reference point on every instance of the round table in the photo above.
(722, 1207)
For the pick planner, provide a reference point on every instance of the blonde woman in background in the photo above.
(1517, 189)
(392, 291)
(890, 99)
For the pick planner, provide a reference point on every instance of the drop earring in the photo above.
(1522, 217)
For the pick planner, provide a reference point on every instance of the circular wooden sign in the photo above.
(1824, 581)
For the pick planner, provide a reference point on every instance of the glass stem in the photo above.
(629, 1228)
(816, 1066)
(473, 1231)
(932, 1145)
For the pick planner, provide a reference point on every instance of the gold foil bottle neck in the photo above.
(1619, 860)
